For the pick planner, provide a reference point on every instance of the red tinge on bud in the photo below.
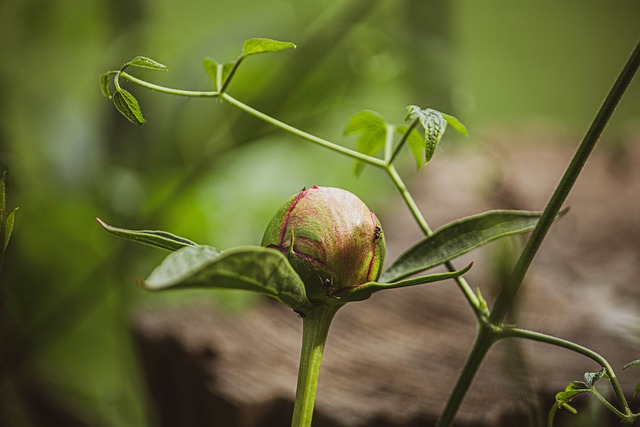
(337, 240)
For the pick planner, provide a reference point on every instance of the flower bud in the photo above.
(331, 238)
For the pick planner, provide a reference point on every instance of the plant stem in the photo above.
(422, 223)
(315, 327)
(309, 137)
(508, 293)
(559, 342)
(168, 90)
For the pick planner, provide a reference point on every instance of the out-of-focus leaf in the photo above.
(251, 268)
(128, 106)
(456, 124)
(260, 45)
(158, 239)
(212, 67)
(631, 364)
(364, 291)
(458, 238)
(372, 130)
(104, 85)
(8, 227)
(415, 143)
(144, 62)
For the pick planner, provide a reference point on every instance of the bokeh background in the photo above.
(205, 171)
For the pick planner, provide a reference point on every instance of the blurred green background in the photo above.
(207, 172)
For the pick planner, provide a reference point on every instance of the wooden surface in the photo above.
(392, 360)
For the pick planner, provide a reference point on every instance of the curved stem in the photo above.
(559, 342)
(415, 212)
(168, 90)
(315, 327)
(309, 137)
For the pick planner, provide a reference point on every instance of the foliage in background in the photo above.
(70, 161)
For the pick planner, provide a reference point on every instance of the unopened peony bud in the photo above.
(337, 240)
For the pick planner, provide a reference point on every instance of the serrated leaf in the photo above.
(415, 143)
(261, 45)
(251, 268)
(631, 364)
(212, 67)
(104, 85)
(456, 124)
(372, 130)
(365, 290)
(128, 106)
(144, 62)
(158, 239)
(458, 238)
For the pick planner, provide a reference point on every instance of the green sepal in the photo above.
(458, 238)
(364, 291)
(128, 106)
(144, 62)
(261, 45)
(372, 130)
(251, 268)
(158, 239)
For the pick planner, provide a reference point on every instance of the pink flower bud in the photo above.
(337, 240)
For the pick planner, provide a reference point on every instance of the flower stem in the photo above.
(315, 327)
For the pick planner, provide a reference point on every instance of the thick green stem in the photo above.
(508, 293)
(481, 346)
(315, 327)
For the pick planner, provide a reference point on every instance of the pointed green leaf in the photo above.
(456, 124)
(158, 239)
(8, 228)
(372, 130)
(144, 62)
(251, 268)
(636, 390)
(631, 364)
(128, 106)
(458, 238)
(365, 290)
(434, 126)
(259, 45)
(104, 85)
(415, 143)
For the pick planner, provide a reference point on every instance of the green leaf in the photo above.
(212, 67)
(458, 238)
(372, 129)
(128, 106)
(259, 45)
(434, 126)
(144, 62)
(590, 378)
(104, 85)
(8, 228)
(456, 124)
(251, 268)
(631, 364)
(158, 239)
(365, 290)
(415, 143)
(636, 390)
